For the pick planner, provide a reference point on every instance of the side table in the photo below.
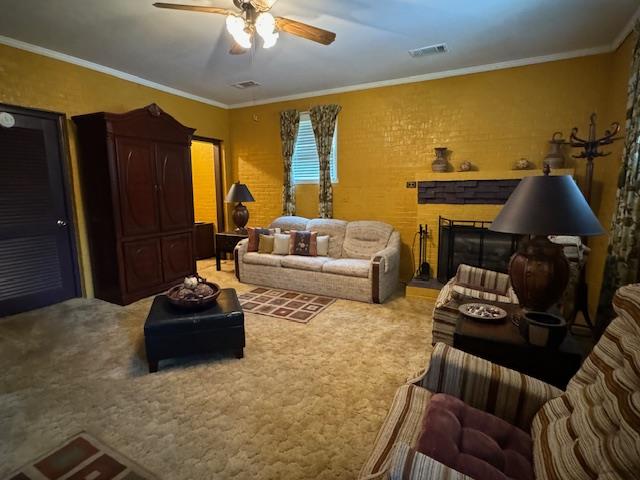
(501, 343)
(225, 243)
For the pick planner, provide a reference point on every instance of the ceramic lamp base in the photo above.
(539, 273)
(240, 216)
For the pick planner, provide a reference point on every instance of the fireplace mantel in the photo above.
(487, 175)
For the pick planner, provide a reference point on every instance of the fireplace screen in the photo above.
(472, 243)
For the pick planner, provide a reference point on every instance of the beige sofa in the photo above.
(363, 261)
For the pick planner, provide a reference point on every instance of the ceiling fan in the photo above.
(254, 17)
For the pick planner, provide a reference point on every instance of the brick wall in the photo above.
(387, 136)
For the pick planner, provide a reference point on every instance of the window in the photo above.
(305, 164)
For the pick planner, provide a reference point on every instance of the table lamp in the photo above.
(239, 193)
(540, 206)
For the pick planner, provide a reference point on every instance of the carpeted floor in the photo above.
(305, 402)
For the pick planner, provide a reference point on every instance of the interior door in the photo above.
(173, 167)
(38, 264)
(136, 169)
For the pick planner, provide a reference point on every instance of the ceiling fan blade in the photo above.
(236, 49)
(303, 30)
(193, 8)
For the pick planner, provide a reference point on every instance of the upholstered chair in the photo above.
(466, 418)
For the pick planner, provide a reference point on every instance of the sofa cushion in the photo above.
(255, 258)
(351, 267)
(300, 262)
(593, 429)
(364, 239)
(290, 222)
(474, 442)
(334, 228)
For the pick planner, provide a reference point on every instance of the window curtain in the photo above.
(622, 262)
(323, 120)
(289, 123)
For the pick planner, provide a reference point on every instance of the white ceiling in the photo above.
(188, 51)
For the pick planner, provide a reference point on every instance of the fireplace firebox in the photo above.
(472, 243)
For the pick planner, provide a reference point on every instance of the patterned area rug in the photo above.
(82, 457)
(294, 306)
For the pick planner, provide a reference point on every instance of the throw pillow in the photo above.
(303, 243)
(265, 245)
(254, 237)
(323, 245)
(281, 244)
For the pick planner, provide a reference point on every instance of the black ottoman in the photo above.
(170, 332)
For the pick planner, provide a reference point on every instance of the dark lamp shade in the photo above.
(239, 193)
(547, 205)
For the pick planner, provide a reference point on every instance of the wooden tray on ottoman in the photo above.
(170, 332)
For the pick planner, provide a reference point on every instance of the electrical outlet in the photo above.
(411, 185)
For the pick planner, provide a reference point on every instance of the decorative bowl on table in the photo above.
(483, 312)
(543, 329)
(194, 293)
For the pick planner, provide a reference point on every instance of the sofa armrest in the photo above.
(409, 464)
(510, 395)
(238, 254)
(389, 257)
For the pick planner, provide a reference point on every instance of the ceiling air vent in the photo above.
(247, 84)
(430, 50)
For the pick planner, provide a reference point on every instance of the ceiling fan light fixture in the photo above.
(266, 28)
(236, 27)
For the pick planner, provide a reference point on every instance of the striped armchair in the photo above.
(469, 282)
(466, 418)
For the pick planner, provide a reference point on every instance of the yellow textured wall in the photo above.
(607, 168)
(204, 184)
(387, 136)
(31, 80)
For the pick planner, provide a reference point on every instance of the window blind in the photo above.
(305, 163)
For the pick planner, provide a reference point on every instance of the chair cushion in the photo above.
(351, 267)
(334, 228)
(364, 239)
(289, 222)
(474, 442)
(299, 262)
(255, 258)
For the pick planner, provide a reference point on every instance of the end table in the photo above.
(502, 343)
(226, 242)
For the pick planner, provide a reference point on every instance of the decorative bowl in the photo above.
(543, 329)
(483, 312)
(186, 299)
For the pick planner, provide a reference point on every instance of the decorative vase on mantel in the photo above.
(440, 164)
(555, 157)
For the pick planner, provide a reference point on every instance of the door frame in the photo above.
(218, 178)
(60, 120)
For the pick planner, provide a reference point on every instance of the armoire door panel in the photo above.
(177, 256)
(143, 264)
(175, 190)
(136, 170)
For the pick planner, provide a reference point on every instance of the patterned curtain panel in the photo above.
(289, 122)
(323, 120)
(622, 263)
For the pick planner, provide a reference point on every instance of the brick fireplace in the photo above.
(475, 196)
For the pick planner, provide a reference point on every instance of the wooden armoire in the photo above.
(135, 171)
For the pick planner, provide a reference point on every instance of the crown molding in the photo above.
(11, 42)
(316, 93)
(432, 76)
(628, 28)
